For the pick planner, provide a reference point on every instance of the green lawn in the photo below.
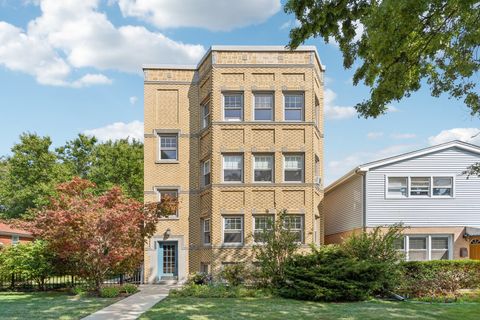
(48, 305)
(277, 308)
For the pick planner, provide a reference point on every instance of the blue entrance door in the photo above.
(167, 259)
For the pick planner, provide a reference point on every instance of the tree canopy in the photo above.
(30, 175)
(397, 46)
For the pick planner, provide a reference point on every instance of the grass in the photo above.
(179, 308)
(48, 305)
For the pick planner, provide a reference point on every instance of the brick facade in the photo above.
(173, 100)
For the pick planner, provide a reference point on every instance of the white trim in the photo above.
(242, 99)
(168, 134)
(428, 237)
(293, 92)
(204, 222)
(233, 244)
(242, 155)
(409, 186)
(265, 215)
(159, 191)
(272, 155)
(303, 166)
(263, 92)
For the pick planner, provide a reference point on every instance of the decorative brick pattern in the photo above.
(172, 104)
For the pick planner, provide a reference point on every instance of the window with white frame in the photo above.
(15, 239)
(294, 106)
(293, 168)
(420, 186)
(424, 247)
(205, 115)
(263, 168)
(168, 147)
(204, 267)
(233, 168)
(261, 225)
(397, 187)
(263, 107)
(168, 194)
(232, 230)
(206, 235)
(233, 106)
(206, 173)
(295, 226)
(443, 186)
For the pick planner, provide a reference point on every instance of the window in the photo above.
(294, 104)
(399, 244)
(293, 168)
(443, 186)
(420, 186)
(168, 147)
(206, 231)
(205, 115)
(15, 239)
(417, 250)
(233, 106)
(232, 230)
(397, 187)
(206, 172)
(317, 170)
(263, 107)
(204, 267)
(232, 168)
(169, 194)
(260, 225)
(263, 168)
(440, 248)
(295, 225)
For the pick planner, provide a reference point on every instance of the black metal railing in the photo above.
(24, 283)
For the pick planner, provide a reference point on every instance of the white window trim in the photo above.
(302, 222)
(242, 166)
(429, 244)
(160, 134)
(233, 244)
(203, 164)
(272, 155)
(254, 225)
(430, 196)
(284, 109)
(242, 117)
(207, 116)
(204, 222)
(159, 197)
(303, 167)
(254, 105)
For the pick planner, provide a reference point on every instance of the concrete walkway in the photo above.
(132, 307)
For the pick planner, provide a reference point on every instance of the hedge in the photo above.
(439, 277)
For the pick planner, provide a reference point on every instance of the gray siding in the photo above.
(462, 210)
(344, 207)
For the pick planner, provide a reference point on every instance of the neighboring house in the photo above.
(425, 190)
(10, 235)
(237, 138)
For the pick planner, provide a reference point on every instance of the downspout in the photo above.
(364, 202)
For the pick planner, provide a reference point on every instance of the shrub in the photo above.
(440, 278)
(216, 290)
(110, 292)
(330, 274)
(80, 290)
(200, 278)
(129, 288)
(278, 245)
(377, 247)
(234, 274)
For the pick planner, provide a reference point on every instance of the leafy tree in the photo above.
(32, 260)
(119, 163)
(78, 155)
(29, 176)
(278, 244)
(98, 235)
(403, 45)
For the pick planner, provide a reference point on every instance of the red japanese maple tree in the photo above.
(98, 235)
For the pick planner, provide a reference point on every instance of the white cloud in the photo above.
(70, 35)
(359, 29)
(374, 135)
(400, 136)
(133, 100)
(392, 109)
(216, 15)
(118, 130)
(333, 111)
(337, 168)
(290, 24)
(471, 135)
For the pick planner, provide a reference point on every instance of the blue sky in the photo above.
(75, 66)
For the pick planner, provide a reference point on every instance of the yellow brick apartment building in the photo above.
(237, 138)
